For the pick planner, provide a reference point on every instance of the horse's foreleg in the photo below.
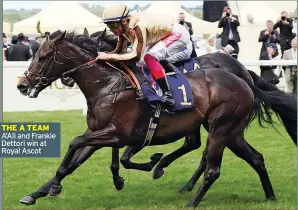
(117, 179)
(106, 137)
(192, 142)
(80, 157)
(131, 151)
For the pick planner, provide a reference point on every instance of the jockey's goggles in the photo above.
(112, 25)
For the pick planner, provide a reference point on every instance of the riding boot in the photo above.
(169, 67)
(168, 96)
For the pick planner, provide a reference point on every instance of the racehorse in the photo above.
(222, 99)
(192, 141)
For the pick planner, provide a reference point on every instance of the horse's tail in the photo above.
(283, 104)
(261, 83)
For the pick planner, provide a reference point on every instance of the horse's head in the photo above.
(59, 53)
(106, 42)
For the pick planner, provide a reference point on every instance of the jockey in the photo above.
(155, 39)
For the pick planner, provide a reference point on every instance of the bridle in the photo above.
(43, 77)
(44, 80)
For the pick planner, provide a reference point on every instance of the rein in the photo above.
(77, 68)
(43, 81)
(64, 75)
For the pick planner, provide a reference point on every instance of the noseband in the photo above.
(43, 80)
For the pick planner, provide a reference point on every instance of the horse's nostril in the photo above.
(21, 86)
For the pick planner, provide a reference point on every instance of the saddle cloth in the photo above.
(178, 83)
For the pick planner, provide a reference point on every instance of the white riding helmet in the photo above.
(115, 12)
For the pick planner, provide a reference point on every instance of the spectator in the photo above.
(34, 47)
(4, 45)
(188, 26)
(230, 34)
(14, 41)
(268, 36)
(43, 38)
(211, 48)
(21, 51)
(285, 25)
(291, 71)
(267, 72)
(27, 42)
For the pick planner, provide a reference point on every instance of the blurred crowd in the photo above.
(22, 48)
(270, 39)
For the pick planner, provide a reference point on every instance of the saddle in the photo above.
(147, 88)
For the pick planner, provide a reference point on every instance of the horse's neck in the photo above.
(96, 82)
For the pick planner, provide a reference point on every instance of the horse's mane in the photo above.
(96, 34)
(85, 43)
(79, 40)
(109, 38)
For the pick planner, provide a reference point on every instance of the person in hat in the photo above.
(155, 39)
(267, 72)
(230, 35)
(21, 51)
(14, 41)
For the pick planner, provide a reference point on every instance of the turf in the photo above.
(91, 187)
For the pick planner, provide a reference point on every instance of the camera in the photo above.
(228, 14)
(272, 32)
(283, 18)
(181, 22)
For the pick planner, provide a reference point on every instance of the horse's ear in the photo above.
(99, 38)
(60, 37)
(86, 33)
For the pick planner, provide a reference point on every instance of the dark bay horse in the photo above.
(282, 102)
(116, 119)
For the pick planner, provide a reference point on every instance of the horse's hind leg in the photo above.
(214, 152)
(131, 151)
(195, 177)
(255, 159)
(192, 142)
(226, 122)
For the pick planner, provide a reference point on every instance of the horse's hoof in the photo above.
(158, 173)
(190, 205)
(55, 190)
(271, 198)
(156, 157)
(28, 200)
(119, 183)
